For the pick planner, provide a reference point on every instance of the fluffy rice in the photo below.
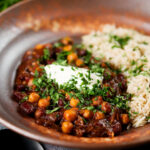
(136, 53)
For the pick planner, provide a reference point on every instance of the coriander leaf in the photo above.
(53, 110)
(121, 41)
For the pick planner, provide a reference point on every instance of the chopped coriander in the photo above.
(138, 88)
(97, 58)
(36, 74)
(62, 58)
(115, 46)
(133, 62)
(57, 44)
(137, 70)
(145, 43)
(24, 99)
(121, 41)
(80, 46)
(46, 55)
(89, 107)
(87, 58)
(136, 48)
(135, 113)
(53, 110)
(91, 46)
(148, 117)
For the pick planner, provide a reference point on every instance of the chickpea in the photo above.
(99, 115)
(125, 118)
(44, 102)
(38, 113)
(74, 102)
(67, 96)
(106, 107)
(110, 133)
(66, 127)
(33, 97)
(82, 52)
(79, 62)
(106, 85)
(70, 115)
(39, 68)
(103, 65)
(30, 82)
(72, 57)
(48, 45)
(86, 113)
(62, 91)
(67, 48)
(97, 100)
(66, 40)
(39, 46)
(28, 52)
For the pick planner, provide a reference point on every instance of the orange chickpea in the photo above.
(106, 107)
(106, 85)
(39, 46)
(103, 65)
(48, 45)
(67, 48)
(99, 115)
(66, 127)
(67, 96)
(44, 102)
(110, 133)
(38, 113)
(33, 97)
(72, 57)
(66, 40)
(62, 91)
(125, 118)
(74, 102)
(97, 100)
(79, 62)
(86, 113)
(30, 82)
(70, 115)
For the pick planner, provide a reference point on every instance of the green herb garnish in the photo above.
(120, 41)
(53, 110)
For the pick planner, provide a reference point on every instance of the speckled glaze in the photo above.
(38, 21)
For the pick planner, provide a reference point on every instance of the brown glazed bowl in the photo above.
(38, 21)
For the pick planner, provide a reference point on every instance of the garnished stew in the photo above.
(63, 87)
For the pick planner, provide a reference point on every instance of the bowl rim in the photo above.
(41, 138)
(65, 143)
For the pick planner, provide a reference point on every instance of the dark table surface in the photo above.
(12, 141)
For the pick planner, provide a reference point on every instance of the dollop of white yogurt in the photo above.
(63, 74)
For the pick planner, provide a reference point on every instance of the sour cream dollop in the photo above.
(64, 74)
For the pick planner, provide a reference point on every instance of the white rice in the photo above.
(135, 53)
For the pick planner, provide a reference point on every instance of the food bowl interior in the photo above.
(39, 21)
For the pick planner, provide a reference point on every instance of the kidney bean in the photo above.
(26, 108)
(82, 53)
(18, 95)
(60, 102)
(117, 128)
